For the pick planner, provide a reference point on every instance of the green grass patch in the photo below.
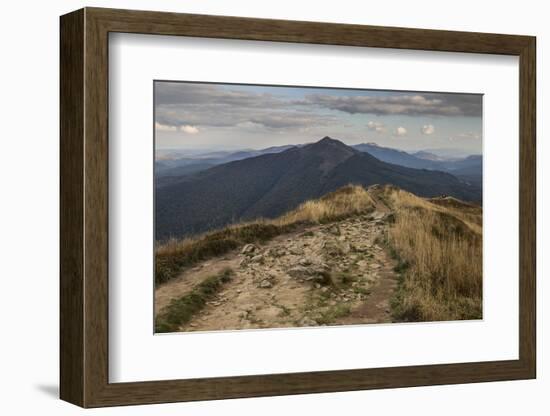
(343, 279)
(332, 314)
(361, 290)
(401, 266)
(181, 310)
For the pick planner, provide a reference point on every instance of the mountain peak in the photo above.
(330, 146)
(330, 151)
(329, 141)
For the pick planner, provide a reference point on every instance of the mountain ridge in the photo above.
(271, 184)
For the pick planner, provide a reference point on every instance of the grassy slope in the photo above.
(438, 244)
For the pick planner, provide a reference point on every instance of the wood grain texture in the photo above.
(71, 213)
(528, 208)
(96, 219)
(84, 207)
(225, 27)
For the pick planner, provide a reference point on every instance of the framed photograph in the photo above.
(255, 207)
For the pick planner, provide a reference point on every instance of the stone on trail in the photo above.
(296, 251)
(335, 230)
(257, 259)
(345, 248)
(266, 284)
(377, 215)
(306, 321)
(304, 261)
(298, 272)
(248, 249)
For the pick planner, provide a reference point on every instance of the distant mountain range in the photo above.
(468, 168)
(397, 157)
(429, 156)
(178, 166)
(273, 182)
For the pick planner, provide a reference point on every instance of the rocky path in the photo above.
(324, 275)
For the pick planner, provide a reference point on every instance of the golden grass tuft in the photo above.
(349, 200)
(439, 248)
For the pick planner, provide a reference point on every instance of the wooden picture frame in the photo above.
(84, 207)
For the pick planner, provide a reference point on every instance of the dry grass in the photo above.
(349, 200)
(439, 248)
(171, 257)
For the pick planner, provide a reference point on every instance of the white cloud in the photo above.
(401, 103)
(427, 129)
(189, 129)
(470, 135)
(185, 128)
(376, 126)
(164, 127)
(400, 131)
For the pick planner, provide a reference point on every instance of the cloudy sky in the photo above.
(226, 116)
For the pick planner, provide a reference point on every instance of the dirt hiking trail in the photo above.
(329, 274)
